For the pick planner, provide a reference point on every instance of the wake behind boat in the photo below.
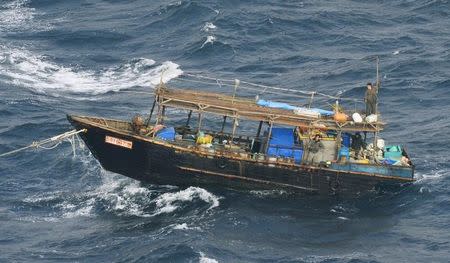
(294, 147)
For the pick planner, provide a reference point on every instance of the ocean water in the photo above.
(100, 57)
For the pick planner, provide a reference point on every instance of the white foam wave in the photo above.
(208, 26)
(26, 69)
(123, 197)
(209, 40)
(268, 193)
(204, 259)
(119, 195)
(169, 202)
(72, 211)
(431, 176)
(344, 212)
(184, 226)
(39, 198)
(16, 16)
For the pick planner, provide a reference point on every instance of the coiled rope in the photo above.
(55, 141)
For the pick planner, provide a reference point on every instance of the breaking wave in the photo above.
(209, 40)
(169, 202)
(26, 69)
(122, 197)
(208, 26)
(205, 259)
(184, 226)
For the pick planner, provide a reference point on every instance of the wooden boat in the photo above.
(157, 152)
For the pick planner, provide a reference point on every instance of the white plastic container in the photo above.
(372, 118)
(380, 143)
(306, 112)
(357, 117)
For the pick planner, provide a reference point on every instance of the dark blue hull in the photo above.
(157, 162)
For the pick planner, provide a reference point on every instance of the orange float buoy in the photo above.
(340, 117)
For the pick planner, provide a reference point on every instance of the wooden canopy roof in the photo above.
(242, 108)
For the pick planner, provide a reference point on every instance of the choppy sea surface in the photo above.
(93, 57)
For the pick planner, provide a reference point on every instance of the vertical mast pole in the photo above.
(235, 124)
(200, 115)
(236, 85)
(151, 113)
(378, 71)
(158, 98)
(189, 118)
(311, 100)
(258, 133)
(375, 136)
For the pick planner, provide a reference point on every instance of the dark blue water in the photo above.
(59, 57)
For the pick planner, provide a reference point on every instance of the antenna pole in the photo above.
(236, 85)
(378, 72)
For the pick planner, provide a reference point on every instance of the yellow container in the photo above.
(204, 139)
(363, 161)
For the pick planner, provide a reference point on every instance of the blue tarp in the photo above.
(167, 134)
(274, 104)
(286, 106)
(281, 144)
(346, 139)
(393, 152)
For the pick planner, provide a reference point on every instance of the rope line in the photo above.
(41, 144)
(265, 87)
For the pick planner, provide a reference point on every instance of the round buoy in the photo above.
(340, 117)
